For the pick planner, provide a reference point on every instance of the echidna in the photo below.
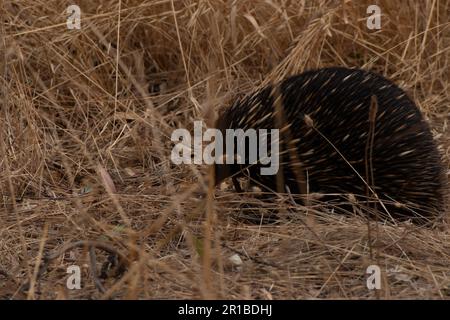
(345, 131)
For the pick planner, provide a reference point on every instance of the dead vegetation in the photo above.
(86, 118)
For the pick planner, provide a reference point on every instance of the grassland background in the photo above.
(85, 123)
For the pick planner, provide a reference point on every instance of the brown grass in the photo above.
(85, 124)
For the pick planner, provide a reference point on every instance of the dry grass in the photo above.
(86, 117)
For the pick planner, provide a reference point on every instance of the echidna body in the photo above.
(327, 115)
